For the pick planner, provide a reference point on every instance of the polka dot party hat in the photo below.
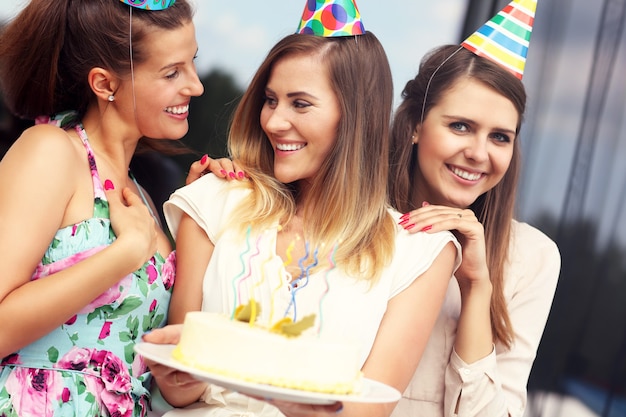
(505, 38)
(149, 4)
(331, 18)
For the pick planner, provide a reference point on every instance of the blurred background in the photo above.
(573, 184)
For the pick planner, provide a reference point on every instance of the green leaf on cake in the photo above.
(290, 329)
(249, 312)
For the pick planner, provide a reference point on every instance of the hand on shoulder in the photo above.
(222, 168)
(465, 226)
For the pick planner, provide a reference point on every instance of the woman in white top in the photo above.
(454, 165)
(311, 132)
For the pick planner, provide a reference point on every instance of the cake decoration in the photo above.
(246, 345)
(289, 328)
(243, 271)
(331, 266)
(255, 271)
(249, 274)
(302, 280)
(248, 313)
(286, 263)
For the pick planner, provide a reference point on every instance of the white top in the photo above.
(494, 386)
(345, 308)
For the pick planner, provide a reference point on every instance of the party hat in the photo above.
(505, 38)
(331, 18)
(149, 4)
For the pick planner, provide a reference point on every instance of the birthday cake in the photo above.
(218, 344)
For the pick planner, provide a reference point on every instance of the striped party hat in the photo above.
(331, 18)
(505, 38)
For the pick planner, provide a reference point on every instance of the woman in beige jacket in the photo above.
(455, 162)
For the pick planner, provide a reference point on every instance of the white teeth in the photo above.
(177, 109)
(466, 175)
(289, 146)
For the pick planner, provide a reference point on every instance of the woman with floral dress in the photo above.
(86, 269)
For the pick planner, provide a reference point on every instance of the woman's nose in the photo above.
(476, 150)
(193, 87)
(276, 120)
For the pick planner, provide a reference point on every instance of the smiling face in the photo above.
(163, 84)
(465, 144)
(300, 116)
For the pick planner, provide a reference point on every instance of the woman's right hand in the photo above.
(222, 168)
(132, 223)
(468, 230)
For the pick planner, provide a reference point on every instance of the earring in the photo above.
(413, 139)
(111, 98)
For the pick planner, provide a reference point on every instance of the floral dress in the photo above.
(87, 366)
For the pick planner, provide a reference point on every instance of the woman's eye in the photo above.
(299, 104)
(458, 126)
(270, 101)
(172, 75)
(501, 137)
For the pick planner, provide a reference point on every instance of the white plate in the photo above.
(371, 391)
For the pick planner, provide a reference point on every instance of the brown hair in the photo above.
(47, 51)
(438, 72)
(347, 199)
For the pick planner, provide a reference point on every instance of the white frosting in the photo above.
(214, 343)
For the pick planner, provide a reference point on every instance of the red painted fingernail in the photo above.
(403, 222)
(108, 185)
(427, 228)
(223, 172)
(203, 160)
(409, 227)
(425, 203)
(405, 216)
(231, 174)
(240, 174)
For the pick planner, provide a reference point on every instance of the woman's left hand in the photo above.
(178, 388)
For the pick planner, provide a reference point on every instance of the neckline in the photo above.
(97, 182)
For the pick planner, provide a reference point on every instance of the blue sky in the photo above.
(235, 35)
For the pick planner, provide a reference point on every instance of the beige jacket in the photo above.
(494, 386)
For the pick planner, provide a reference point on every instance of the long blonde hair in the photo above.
(346, 202)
